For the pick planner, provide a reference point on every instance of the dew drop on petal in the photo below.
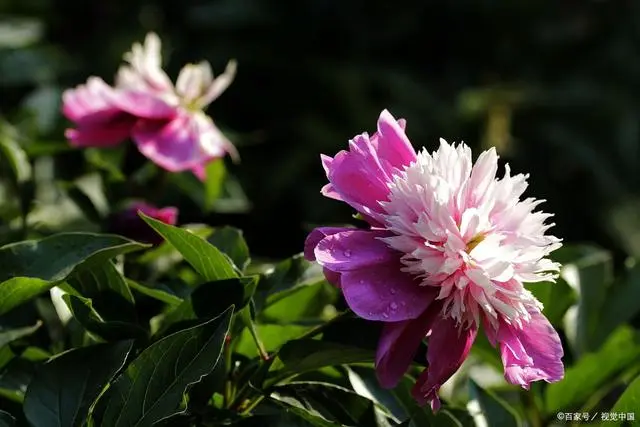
(394, 306)
(347, 253)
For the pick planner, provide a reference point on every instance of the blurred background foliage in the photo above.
(553, 86)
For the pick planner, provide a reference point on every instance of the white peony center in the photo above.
(468, 234)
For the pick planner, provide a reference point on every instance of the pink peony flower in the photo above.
(166, 122)
(447, 249)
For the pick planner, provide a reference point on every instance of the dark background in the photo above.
(554, 85)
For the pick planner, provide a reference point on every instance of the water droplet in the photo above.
(347, 253)
(394, 306)
(393, 291)
(385, 315)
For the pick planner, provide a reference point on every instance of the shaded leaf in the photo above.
(35, 266)
(231, 241)
(205, 258)
(629, 402)
(82, 309)
(214, 182)
(494, 410)
(590, 372)
(14, 154)
(212, 298)
(7, 336)
(163, 294)
(6, 419)
(152, 386)
(63, 390)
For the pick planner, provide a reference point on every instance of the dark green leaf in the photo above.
(329, 402)
(231, 241)
(63, 390)
(35, 266)
(273, 336)
(84, 203)
(621, 304)
(82, 309)
(106, 286)
(306, 301)
(306, 355)
(494, 410)
(161, 294)
(581, 380)
(212, 298)
(7, 336)
(7, 420)
(152, 386)
(629, 402)
(205, 258)
(364, 382)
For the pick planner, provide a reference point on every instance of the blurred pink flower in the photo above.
(166, 121)
(448, 248)
(129, 224)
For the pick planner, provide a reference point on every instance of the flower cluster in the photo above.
(447, 249)
(166, 121)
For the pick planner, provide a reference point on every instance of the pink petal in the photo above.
(393, 144)
(105, 135)
(384, 293)
(91, 103)
(353, 250)
(398, 345)
(448, 347)
(316, 236)
(180, 144)
(532, 353)
(144, 105)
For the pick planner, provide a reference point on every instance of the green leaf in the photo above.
(212, 298)
(205, 258)
(366, 384)
(329, 402)
(84, 203)
(302, 302)
(629, 402)
(83, 311)
(6, 419)
(306, 355)
(7, 336)
(107, 287)
(494, 410)
(273, 336)
(35, 266)
(63, 390)
(556, 298)
(14, 154)
(152, 387)
(214, 182)
(621, 304)
(589, 275)
(231, 241)
(593, 370)
(161, 294)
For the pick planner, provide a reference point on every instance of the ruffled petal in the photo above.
(353, 250)
(448, 347)
(531, 353)
(180, 144)
(145, 105)
(384, 293)
(399, 343)
(393, 145)
(316, 236)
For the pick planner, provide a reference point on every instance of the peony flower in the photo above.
(166, 121)
(447, 249)
(129, 224)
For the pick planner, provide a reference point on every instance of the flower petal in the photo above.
(101, 136)
(398, 345)
(384, 293)
(448, 347)
(532, 353)
(316, 236)
(180, 144)
(354, 249)
(144, 105)
(393, 144)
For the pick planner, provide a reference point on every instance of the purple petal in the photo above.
(385, 293)
(91, 103)
(353, 250)
(332, 277)
(105, 135)
(145, 105)
(398, 345)
(393, 144)
(448, 347)
(532, 353)
(316, 236)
